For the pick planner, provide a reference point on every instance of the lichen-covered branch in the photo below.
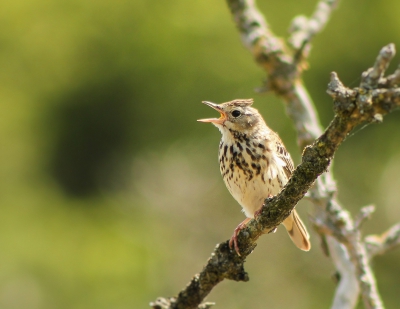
(348, 289)
(349, 113)
(350, 238)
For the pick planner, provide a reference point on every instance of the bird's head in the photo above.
(236, 115)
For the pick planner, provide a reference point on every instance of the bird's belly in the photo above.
(250, 194)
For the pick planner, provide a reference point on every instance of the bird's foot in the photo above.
(233, 240)
(258, 212)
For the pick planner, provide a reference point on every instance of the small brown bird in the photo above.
(254, 164)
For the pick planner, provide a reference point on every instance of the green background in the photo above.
(110, 190)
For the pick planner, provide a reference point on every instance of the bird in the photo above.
(254, 165)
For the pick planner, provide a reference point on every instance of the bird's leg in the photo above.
(233, 239)
(258, 212)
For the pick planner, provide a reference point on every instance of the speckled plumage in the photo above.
(254, 163)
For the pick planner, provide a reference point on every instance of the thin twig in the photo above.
(364, 214)
(393, 80)
(380, 244)
(304, 29)
(371, 77)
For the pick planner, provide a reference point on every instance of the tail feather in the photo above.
(297, 231)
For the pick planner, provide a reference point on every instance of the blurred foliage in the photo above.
(111, 194)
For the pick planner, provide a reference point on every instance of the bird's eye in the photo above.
(236, 113)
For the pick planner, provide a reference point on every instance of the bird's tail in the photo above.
(297, 231)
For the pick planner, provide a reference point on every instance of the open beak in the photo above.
(219, 120)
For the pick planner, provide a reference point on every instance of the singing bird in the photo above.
(254, 164)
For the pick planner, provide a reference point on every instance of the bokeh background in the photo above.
(110, 190)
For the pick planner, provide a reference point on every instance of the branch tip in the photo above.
(372, 77)
(364, 214)
(394, 79)
(380, 244)
(162, 303)
(303, 29)
(206, 305)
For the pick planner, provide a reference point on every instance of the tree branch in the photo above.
(350, 112)
(348, 289)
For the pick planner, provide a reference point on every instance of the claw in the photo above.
(258, 212)
(233, 240)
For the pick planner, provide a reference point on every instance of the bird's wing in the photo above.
(281, 164)
(285, 158)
